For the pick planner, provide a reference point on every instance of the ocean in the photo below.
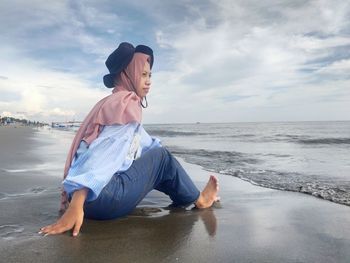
(307, 157)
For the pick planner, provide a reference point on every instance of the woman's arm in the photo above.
(148, 142)
(73, 217)
(95, 165)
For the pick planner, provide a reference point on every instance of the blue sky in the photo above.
(215, 61)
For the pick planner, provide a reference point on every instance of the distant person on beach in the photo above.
(113, 162)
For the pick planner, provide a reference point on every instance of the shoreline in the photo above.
(250, 224)
(276, 188)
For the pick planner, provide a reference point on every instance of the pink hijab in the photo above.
(121, 107)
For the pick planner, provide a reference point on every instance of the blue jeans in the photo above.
(156, 169)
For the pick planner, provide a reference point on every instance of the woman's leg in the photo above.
(156, 169)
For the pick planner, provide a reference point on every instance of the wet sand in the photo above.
(250, 224)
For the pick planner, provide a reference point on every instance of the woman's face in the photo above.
(145, 81)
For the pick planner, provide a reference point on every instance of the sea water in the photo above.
(308, 157)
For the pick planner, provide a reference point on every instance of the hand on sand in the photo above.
(209, 194)
(72, 218)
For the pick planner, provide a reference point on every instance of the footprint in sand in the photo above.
(37, 190)
(146, 211)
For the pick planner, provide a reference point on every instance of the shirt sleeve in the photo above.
(148, 142)
(95, 165)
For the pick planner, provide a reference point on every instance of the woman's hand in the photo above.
(71, 219)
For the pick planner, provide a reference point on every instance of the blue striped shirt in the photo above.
(112, 151)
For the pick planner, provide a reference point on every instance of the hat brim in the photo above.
(145, 50)
(108, 80)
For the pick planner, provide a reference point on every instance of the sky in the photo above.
(215, 61)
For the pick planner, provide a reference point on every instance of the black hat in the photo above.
(120, 59)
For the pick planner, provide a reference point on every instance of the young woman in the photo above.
(113, 163)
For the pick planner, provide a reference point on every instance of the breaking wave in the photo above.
(239, 165)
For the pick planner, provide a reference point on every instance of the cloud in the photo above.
(43, 93)
(215, 60)
(337, 68)
(268, 54)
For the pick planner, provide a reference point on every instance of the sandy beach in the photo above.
(250, 224)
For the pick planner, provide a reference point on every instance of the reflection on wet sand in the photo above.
(159, 232)
(207, 216)
(209, 220)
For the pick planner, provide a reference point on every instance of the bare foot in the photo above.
(209, 194)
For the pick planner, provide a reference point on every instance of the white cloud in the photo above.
(258, 57)
(215, 60)
(46, 94)
(341, 67)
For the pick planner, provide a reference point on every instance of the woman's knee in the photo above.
(159, 152)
